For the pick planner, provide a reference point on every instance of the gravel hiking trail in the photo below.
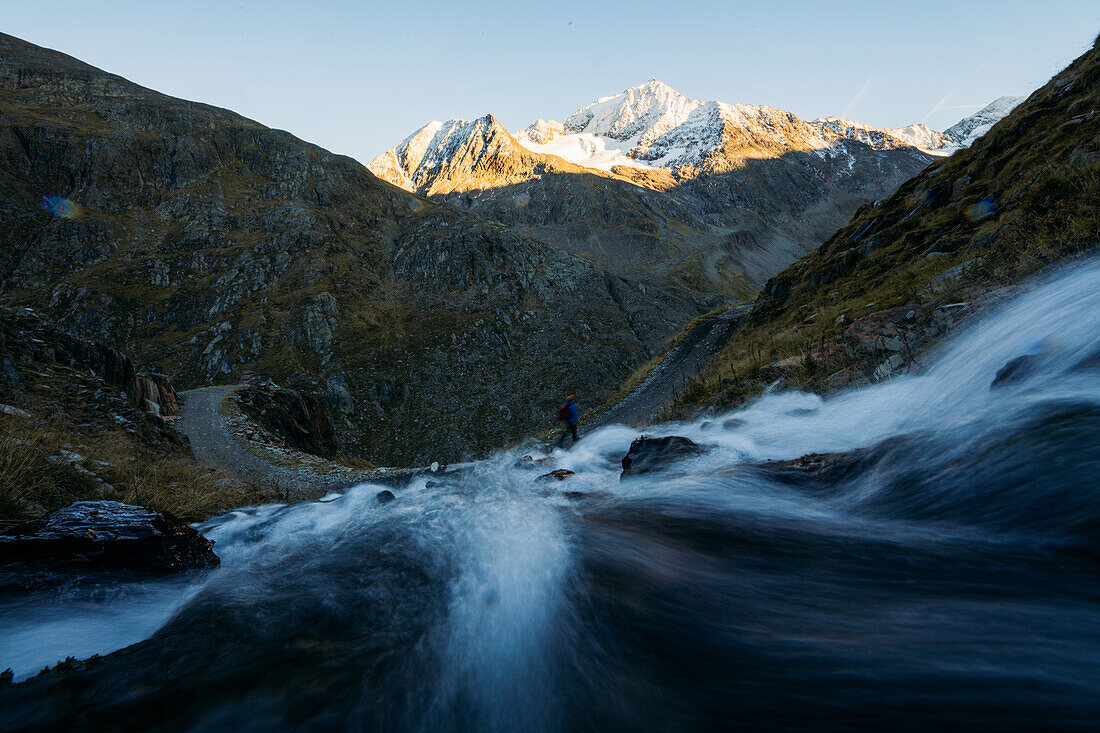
(202, 421)
(294, 475)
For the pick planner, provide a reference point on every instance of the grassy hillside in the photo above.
(1024, 196)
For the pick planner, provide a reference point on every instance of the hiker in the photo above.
(567, 413)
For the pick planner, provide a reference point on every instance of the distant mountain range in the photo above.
(715, 197)
(960, 135)
(653, 126)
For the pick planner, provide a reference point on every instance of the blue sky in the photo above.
(357, 77)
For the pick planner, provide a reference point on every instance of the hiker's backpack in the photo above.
(563, 412)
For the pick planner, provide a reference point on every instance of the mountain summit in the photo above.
(456, 155)
(708, 196)
(636, 115)
(967, 130)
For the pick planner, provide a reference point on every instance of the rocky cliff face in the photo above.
(208, 244)
(297, 416)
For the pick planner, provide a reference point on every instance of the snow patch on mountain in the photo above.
(918, 136)
(967, 130)
(585, 149)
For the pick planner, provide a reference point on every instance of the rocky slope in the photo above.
(707, 196)
(208, 244)
(904, 271)
(79, 421)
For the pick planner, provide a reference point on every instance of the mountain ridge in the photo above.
(210, 245)
(637, 118)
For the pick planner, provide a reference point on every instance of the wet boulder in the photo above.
(827, 471)
(1015, 370)
(558, 473)
(655, 454)
(530, 463)
(106, 535)
(578, 496)
(385, 496)
(823, 469)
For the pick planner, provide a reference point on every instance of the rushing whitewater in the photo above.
(949, 575)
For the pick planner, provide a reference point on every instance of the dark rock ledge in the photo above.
(105, 535)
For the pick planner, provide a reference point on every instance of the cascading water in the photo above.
(947, 576)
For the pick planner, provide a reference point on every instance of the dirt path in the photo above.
(202, 421)
(657, 392)
(289, 473)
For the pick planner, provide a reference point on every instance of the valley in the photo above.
(279, 428)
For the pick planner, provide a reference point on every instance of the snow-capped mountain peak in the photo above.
(639, 114)
(919, 135)
(540, 132)
(440, 151)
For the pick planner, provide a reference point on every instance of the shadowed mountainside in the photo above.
(210, 245)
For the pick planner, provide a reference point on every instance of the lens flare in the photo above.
(60, 207)
(981, 210)
(919, 198)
